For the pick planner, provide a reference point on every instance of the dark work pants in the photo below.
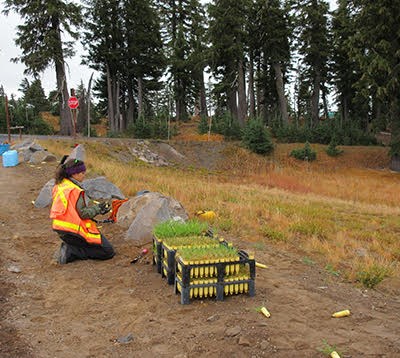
(79, 249)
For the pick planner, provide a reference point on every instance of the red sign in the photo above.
(73, 102)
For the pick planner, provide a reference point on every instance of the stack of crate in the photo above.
(219, 271)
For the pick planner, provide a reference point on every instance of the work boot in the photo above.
(62, 257)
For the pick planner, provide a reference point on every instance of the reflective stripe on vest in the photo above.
(65, 216)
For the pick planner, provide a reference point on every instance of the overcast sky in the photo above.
(12, 74)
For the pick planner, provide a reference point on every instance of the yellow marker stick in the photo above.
(261, 265)
(265, 312)
(343, 313)
(334, 354)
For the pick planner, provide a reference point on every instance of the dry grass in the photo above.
(336, 211)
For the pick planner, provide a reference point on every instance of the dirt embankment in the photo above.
(81, 309)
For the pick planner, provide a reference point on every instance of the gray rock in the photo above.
(212, 318)
(44, 198)
(141, 213)
(27, 154)
(14, 269)
(143, 153)
(78, 153)
(101, 188)
(125, 339)
(264, 345)
(26, 144)
(98, 188)
(233, 331)
(27, 148)
(40, 156)
(244, 342)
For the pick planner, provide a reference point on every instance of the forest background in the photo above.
(283, 64)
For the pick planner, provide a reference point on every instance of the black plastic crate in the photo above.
(168, 257)
(157, 259)
(186, 284)
(157, 250)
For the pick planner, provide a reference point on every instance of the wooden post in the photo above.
(73, 115)
(8, 121)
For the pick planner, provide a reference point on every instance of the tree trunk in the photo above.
(242, 108)
(315, 99)
(140, 96)
(325, 103)
(259, 107)
(123, 108)
(203, 100)
(66, 125)
(110, 100)
(88, 104)
(82, 112)
(117, 108)
(345, 109)
(130, 114)
(232, 102)
(231, 92)
(252, 100)
(280, 88)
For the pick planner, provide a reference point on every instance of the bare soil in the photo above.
(82, 309)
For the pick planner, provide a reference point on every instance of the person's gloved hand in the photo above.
(104, 208)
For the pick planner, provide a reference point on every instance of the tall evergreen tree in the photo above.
(40, 40)
(124, 43)
(314, 48)
(143, 55)
(182, 36)
(227, 37)
(375, 47)
(34, 96)
(274, 43)
(103, 38)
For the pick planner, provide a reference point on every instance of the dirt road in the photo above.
(82, 309)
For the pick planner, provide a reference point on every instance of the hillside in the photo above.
(82, 309)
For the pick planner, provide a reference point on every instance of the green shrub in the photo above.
(305, 153)
(373, 275)
(332, 150)
(257, 138)
(39, 126)
(227, 126)
(348, 133)
(203, 125)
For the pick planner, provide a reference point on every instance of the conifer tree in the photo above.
(375, 47)
(103, 39)
(183, 33)
(227, 53)
(314, 49)
(273, 40)
(40, 40)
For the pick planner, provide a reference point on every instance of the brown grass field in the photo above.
(339, 212)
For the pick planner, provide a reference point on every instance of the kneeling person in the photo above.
(73, 217)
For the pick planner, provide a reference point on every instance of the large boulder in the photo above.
(33, 152)
(44, 198)
(41, 156)
(78, 153)
(101, 188)
(98, 188)
(141, 213)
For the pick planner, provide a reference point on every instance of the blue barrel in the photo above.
(4, 148)
(10, 158)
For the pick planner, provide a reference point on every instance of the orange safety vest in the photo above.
(66, 217)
